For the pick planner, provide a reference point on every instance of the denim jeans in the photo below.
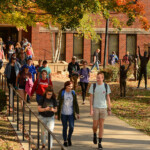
(65, 119)
(49, 122)
(96, 64)
(38, 97)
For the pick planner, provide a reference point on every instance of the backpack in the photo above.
(63, 92)
(94, 86)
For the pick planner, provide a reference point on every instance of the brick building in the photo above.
(126, 40)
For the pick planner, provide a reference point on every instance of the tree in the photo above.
(70, 14)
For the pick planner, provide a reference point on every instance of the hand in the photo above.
(78, 116)
(109, 113)
(47, 108)
(91, 112)
(52, 109)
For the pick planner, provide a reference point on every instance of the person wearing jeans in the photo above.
(47, 106)
(96, 60)
(84, 79)
(68, 107)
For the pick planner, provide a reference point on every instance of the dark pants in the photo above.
(123, 88)
(74, 79)
(84, 89)
(65, 119)
(143, 72)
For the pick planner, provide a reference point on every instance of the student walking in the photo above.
(40, 86)
(96, 59)
(47, 106)
(68, 107)
(73, 68)
(84, 79)
(99, 99)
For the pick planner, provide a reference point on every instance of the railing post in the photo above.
(17, 112)
(38, 136)
(12, 93)
(9, 100)
(23, 122)
(29, 129)
(49, 141)
(2, 82)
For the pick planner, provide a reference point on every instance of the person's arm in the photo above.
(91, 104)
(77, 107)
(139, 52)
(109, 104)
(18, 76)
(94, 59)
(128, 66)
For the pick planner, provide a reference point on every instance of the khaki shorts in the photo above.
(99, 113)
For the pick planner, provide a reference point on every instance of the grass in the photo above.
(8, 137)
(133, 109)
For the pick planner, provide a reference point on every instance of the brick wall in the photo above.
(69, 46)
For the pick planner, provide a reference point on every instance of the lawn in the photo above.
(134, 108)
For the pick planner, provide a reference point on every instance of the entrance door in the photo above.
(6, 32)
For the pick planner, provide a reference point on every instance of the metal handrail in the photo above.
(19, 98)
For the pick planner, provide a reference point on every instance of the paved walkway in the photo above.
(117, 134)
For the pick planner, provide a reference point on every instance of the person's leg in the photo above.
(140, 77)
(75, 82)
(82, 88)
(93, 66)
(21, 93)
(64, 119)
(43, 131)
(71, 128)
(50, 125)
(86, 86)
(95, 124)
(28, 99)
(145, 77)
(97, 65)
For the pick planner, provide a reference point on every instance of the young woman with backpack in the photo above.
(67, 109)
(84, 79)
(40, 85)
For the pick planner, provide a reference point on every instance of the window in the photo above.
(94, 46)
(131, 44)
(78, 46)
(113, 44)
(63, 46)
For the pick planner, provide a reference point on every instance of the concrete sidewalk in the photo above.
(118, 135)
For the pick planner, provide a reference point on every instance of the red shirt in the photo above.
(40, 86)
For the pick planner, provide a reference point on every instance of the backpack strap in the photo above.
(105, 89)
(94, 86)
(63, 92)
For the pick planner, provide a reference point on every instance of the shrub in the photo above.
(3, 100)
(111, 72)
(148, 70)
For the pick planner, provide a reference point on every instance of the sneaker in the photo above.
(69, 142)
(65, 144)
(95, 139)
(100, 146)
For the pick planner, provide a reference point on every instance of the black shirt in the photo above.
(45, 103)
(96, 55)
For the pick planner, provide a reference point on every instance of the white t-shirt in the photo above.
(100, 95)
(67, 108)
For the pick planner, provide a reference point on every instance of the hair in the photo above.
(49, 89)
(18, 45)
(100, 73)
(66, 84)
(39, 61)
(84, 61)
(44, 71)
(45, 62)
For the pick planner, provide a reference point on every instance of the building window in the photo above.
(113, 44)
(94, 46)
(78, 46)
(63, 46)
(131, 44)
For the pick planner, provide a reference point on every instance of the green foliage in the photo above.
(111, 72)
(148, 69)
(3, 100)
